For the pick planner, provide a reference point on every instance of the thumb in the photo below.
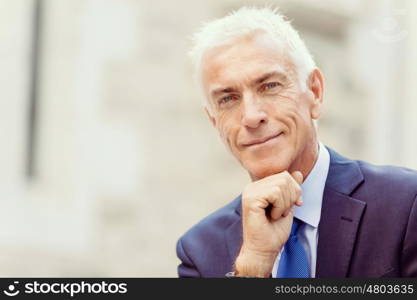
(298, 176)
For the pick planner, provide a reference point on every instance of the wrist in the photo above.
(254, 264)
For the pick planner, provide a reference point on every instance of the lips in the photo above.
(261, 140)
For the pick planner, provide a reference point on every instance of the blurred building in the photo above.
(106, 154)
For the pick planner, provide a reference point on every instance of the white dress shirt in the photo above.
(312, 195)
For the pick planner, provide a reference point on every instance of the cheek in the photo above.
(294, 115)
(299, 108)
(307, 103)
(227, 130)
(287, 113)
(303, 121)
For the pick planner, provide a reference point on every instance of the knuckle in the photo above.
(277, 190)
(252, 205)
(277, 204)
(279, 195)
(297, 189)
(288, 179)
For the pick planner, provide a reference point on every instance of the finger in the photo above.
(287, 195)
(276, 213)
(285, 222)
(286, 212)
(298, 177)
(299, 201)
(293, 190)
(283, 205)
(278, 204)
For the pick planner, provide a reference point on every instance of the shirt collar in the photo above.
(313, 188)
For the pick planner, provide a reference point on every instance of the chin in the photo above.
(259, 170)
(266, 161)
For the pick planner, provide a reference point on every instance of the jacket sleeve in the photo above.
(409, 250)
(186, 268)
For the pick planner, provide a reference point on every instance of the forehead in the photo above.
(244, 58)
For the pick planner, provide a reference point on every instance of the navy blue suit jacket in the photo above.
(368, 226)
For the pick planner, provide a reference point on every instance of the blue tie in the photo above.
(293, 262)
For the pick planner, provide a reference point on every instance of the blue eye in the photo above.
(271, 85)
(227, 99)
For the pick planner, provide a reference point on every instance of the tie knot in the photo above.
(295, 224)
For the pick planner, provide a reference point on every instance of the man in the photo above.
(308, 212)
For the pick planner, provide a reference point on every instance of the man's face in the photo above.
(258, 106)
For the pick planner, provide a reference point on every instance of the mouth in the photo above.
(262, 140)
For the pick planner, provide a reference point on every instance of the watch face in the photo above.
(230, 274)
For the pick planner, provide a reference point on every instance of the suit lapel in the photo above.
(340, 217)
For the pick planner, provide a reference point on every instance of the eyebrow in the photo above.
(220, 91)
(268, 75)
(261, 79)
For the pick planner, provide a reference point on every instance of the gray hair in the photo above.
(247, 20)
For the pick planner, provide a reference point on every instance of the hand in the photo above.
(267, 219)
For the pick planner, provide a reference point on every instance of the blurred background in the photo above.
(106, 156)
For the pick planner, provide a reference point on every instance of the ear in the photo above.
(316, 86)
(211, 118)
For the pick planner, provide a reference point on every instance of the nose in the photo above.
(253, 114)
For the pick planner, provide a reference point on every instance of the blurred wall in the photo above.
(124, 160)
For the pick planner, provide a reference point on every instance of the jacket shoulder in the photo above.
(388, 189)
(202, 249)
(215, 223)
(390, 179)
